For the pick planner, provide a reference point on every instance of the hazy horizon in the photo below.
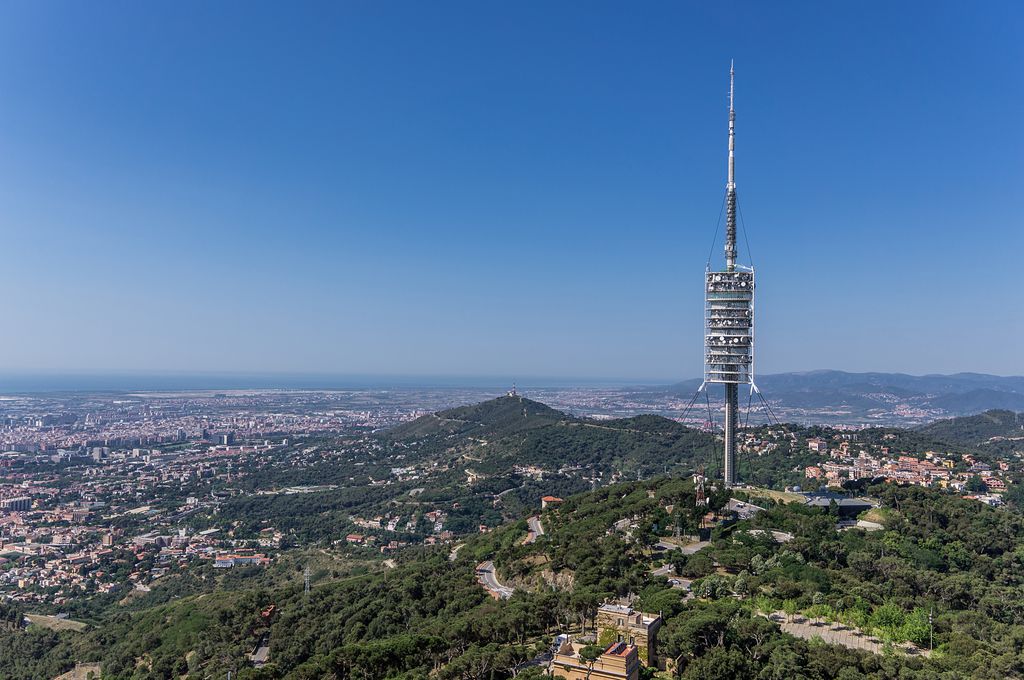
(14, 382)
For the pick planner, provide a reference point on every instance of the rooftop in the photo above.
(619, 649)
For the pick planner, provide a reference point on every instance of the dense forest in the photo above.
(993, 432)
(499, 434)
(961, 562)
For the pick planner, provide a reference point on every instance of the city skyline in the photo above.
(341, 190)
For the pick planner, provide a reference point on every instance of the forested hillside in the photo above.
(498, 435)
(499, 417)
(428, 617)
(976, 430)
(419, 611)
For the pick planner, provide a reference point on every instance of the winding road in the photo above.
(536, 529)
(487, 578)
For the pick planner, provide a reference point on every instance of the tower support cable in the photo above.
(692, 401)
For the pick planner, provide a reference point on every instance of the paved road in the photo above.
(668, 571)
(680, 583)
(688, 549)
(536, 529)
(485, 574)
(454, 554)
(664, 570)
(695, 547)
(837, 634)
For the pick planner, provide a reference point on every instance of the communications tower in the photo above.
(729, 314)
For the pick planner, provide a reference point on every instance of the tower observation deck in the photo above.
(729, 315)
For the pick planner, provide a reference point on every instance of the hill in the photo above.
(990, 427)
(477, 465)
(498, 435)
(497, 417)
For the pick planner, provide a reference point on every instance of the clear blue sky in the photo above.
(521, 189)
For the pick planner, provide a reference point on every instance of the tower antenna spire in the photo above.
(730, 187)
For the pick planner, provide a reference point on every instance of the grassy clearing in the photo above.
(54, 623)
(780, 496)
(877, 515)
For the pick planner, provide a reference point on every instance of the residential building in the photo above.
(619, 661)
(20, 504)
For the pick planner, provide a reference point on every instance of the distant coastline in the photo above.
(28, 383)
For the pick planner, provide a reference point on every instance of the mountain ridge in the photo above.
(880, 397)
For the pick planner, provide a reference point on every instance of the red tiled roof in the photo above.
(619, 649)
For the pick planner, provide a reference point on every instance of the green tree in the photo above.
(976, 485)
(916, 627)
(888, 621)
(719, 664)
(782, 664)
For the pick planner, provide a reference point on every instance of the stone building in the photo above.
(619, 661)
(619, 623)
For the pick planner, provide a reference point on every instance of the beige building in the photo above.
(619, 623)
(619, 661)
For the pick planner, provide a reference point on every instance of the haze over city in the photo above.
(478, 190)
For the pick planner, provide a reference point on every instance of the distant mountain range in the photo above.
(884, 398)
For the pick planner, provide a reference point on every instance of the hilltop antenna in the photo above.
(305, 580)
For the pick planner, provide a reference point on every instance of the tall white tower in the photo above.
(729, 314)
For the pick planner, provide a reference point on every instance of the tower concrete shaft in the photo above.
(731, 418)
